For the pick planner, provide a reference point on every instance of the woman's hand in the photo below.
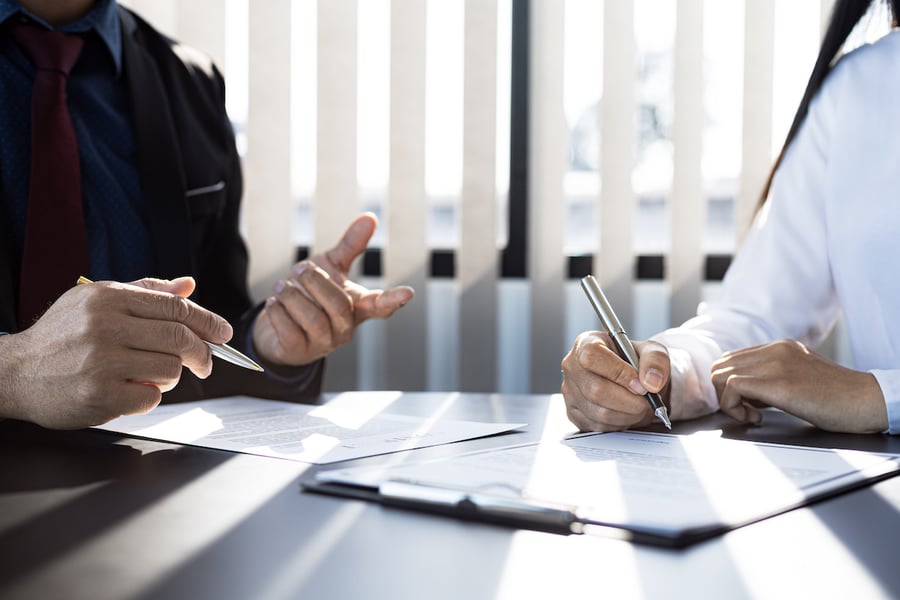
(605, 393)
(789, 376)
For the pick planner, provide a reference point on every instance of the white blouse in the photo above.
(827, 242)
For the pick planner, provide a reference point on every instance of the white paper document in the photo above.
(660, 485)
(349, 426)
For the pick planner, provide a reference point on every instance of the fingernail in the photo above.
(635, 386)
(270, 301)
(300, 267)
(279, 286)
(653, 379)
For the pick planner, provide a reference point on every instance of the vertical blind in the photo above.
(492, 333)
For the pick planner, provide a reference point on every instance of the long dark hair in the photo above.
(844, 18)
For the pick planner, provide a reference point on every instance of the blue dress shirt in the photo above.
(119, 243)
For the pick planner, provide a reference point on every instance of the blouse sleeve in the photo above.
(779, 284)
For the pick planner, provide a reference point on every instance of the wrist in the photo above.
(874, 404)
(10, 375)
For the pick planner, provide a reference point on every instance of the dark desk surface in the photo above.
(90, 514)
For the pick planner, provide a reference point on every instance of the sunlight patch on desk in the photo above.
(592, 481)
(611, 566)
(768, 570)
(311, 553)
(186, 523)
(556, 424)
(438, 413)
(729, 473)
(824, 550)
(546, 481)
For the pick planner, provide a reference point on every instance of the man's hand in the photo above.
(603, 392)
(317, 308)
(789, 376)
(104, 350)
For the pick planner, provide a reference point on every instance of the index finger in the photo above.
(381, 304)
(163, 306)
(596, 353)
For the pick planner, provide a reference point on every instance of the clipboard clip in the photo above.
(516, 512)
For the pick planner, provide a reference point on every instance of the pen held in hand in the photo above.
(223, 351)
(623, 344)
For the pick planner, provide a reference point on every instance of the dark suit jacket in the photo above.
(191, 178)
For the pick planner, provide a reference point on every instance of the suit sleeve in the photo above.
(221, 272)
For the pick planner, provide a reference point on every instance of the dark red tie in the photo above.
(55, 251)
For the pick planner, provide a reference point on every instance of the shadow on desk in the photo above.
(26, 450)
(84, 483)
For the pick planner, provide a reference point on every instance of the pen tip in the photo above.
(663, 415)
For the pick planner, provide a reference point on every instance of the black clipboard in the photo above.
(427, 487)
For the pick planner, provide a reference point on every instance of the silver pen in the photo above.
(226, 352)
(223, 351)
(623, 345)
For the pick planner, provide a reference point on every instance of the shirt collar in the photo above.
(103, 18)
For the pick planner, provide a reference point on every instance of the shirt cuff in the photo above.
(692, 394)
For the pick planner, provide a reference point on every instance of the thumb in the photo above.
(654, 365)
(353, 243)
(180, 286)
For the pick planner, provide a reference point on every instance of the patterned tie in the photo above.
(55, 251)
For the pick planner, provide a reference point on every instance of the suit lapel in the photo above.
(159, 159)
